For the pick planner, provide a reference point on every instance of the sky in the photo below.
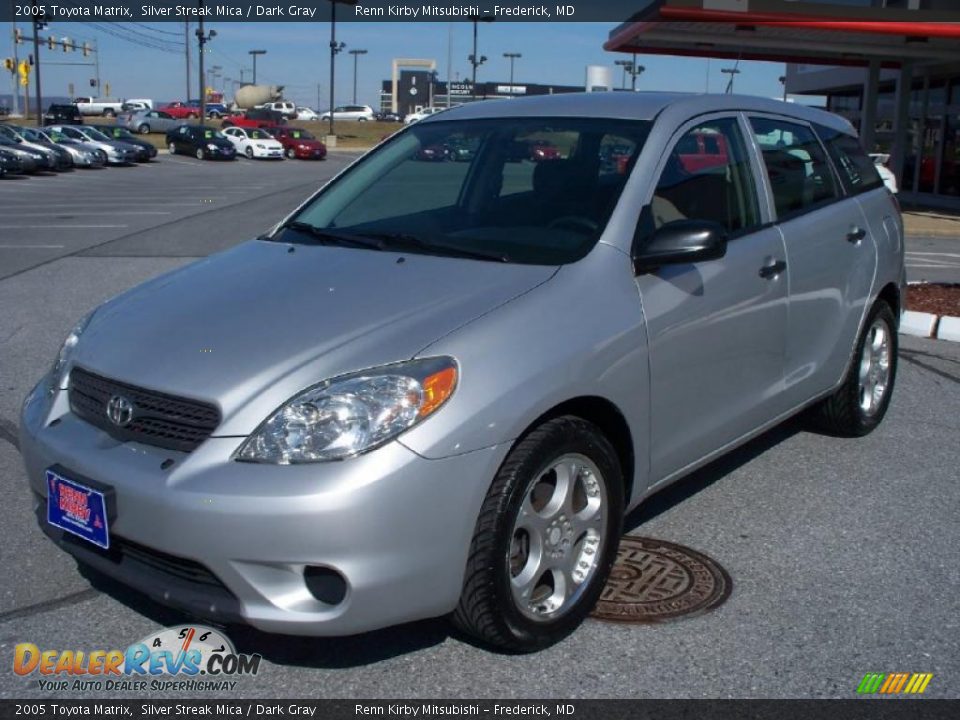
(298, 58)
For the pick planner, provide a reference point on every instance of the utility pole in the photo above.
(512, 56)
(627, 67)
(783, 81)
(475, 60)
(186, 44)
(449, 61)
(732, 72)
(254, 53)
(335, 48)
(318, 97)
(637, 70)
(39, 22)
(355, 54)
(202, 40)
(16, 62)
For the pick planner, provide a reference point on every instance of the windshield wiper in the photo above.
(412, 241)
(332, 237)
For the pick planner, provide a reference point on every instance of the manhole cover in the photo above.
(655, 580)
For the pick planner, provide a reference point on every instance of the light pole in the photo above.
(355, 54)
(202, 39)
(475, 60)
(512, 56)
(783, 81)
(335, 48)
(636, 70)
(255, 53)
(627, 66)
(732, 72)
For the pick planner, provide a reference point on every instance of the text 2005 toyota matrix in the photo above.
(436, 387)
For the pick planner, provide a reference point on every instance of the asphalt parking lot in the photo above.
(844, 554)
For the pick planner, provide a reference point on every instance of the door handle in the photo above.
(773, 269)
(856, 235)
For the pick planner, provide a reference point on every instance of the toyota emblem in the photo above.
(119, 410)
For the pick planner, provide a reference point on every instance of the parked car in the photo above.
(534, 150)
(98, 106)
(306, 114)
(143, 102)
(148, 121)
(214, 110)
(256, 118)
(61, 114)
(389, 117)
(132, 107)
(254, 143)
(358, 113)
(59, 158)
(117, 153)
(32, 160)
(421, 114)
(148, 150)
(204, 143)
(10, 163)
(84, 154)
(286, 108)
(429, 397)
(433, 153)
(182, 110)
(299, 143)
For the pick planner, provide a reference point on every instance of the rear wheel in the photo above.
(545, 539)
(200, 154)
(191, 116)
(172, 148)
(859, 405)
(109, 113)
(291, 153)
(143, 129)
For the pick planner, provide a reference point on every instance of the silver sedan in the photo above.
(148, 121)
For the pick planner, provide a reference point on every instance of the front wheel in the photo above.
(109, 113)
(172, 148)
(143, 129)
(859, 405)
(249, 152)
(545, 540)
(199, 153)
(291, 153)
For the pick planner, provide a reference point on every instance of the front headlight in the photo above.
(58, 374)
(352, 414)
(261, 146)
(211, 146)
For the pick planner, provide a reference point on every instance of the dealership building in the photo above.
(892, 67)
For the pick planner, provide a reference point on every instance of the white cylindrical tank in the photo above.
(250, 95)
(599, 78)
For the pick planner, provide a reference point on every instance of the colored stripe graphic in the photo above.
(894, 683)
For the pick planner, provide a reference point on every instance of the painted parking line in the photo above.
(80, 213)
(58, 227)
(31, 247)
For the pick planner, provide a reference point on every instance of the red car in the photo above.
(299, 143)
(181, 110)
(263, 119)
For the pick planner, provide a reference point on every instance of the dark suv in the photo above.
(62, 115)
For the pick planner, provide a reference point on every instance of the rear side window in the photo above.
(797, 166)
(857, 171)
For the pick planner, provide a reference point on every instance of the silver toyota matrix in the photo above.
(437, 386)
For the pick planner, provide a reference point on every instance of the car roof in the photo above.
(634, 106)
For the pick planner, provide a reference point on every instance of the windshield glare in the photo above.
(534, 190)
(96, 135)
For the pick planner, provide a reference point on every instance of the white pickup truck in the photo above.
(98, 106)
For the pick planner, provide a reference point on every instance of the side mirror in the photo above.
(681, 242)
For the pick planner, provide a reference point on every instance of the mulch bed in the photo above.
(934, 298)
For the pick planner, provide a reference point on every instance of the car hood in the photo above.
(312, 144)
(251, 327)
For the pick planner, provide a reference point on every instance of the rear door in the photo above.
(831, 255)
(716, 329)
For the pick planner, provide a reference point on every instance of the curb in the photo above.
(928, 325)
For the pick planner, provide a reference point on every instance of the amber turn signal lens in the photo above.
(436, 389)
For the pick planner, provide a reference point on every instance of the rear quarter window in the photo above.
(857, 171)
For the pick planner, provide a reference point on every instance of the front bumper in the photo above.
(395, 526)
(310, 153)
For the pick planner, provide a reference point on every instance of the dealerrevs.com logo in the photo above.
(183, 658)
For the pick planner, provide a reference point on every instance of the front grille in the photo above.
(158, 419)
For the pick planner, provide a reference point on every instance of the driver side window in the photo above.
(707, 176)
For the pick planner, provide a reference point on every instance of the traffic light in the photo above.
(9, 64)
(17, 36)
(93, 83)
(24, 70)
(51, 42)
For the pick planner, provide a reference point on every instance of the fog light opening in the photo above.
(326, 585)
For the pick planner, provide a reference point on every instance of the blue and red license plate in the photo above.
(77, 509)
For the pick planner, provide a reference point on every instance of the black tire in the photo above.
(109, 113)
(172, 147)
(842, 414)
(191, 116)
(487, 610)
(291, 153)
(200, 154)
(143, 129)
(249, 152)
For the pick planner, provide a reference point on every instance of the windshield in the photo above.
(96, 134)
(301, 135)
(213, 134)
(485, 186)
(259, 135)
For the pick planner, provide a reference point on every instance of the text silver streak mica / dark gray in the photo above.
(441, 382)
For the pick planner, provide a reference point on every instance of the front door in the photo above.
(716, 329)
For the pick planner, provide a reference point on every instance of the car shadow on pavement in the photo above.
(309, 652)
(674, 494)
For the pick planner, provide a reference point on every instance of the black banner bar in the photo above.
(887, 709)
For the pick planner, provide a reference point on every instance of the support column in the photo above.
(921, 136)
(868, 106)
(902, 120)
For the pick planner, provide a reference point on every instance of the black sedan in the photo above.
(204, 143)
(33, 160)
(147, 149)
(10, 164)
